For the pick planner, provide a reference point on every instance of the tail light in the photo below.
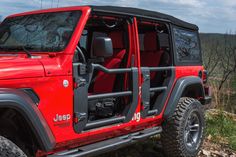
(204, 76)
(207, 90)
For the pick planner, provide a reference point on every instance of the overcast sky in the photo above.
(212, 16)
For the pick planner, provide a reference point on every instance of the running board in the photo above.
(109, 145)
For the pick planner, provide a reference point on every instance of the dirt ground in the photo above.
(210, 149)
(151, 148)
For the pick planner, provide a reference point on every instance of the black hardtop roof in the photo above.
(144, 13)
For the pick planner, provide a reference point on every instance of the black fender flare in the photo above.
(179, 87)
(18, 100)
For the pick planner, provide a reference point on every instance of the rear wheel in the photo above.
(9, 149)
(183, 132)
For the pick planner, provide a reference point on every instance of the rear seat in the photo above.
(104, 83)
(151, 55)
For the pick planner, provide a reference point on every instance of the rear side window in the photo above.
(187, 46)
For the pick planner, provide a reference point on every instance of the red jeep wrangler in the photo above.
(80, 81)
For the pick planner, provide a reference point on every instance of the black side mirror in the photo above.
(102, 47)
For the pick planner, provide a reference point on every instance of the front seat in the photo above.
(104, 83)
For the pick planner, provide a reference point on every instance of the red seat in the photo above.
(151, 55)
(104, 82)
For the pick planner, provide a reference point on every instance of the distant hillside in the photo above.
(208, 37)
(211, 34)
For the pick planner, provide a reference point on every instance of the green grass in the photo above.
(222, 128)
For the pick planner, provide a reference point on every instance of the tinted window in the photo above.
(39, 32)
(187, 46)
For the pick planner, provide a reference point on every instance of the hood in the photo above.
(16, 67)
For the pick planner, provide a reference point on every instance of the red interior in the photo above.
(151, 55)
(105, 82)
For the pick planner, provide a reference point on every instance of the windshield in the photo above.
(49, 32)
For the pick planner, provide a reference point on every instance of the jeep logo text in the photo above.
(60, 118)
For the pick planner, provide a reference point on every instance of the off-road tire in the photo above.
(174, 129)
(9, 149)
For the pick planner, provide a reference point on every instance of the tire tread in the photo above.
(9, 149)
(171, 136)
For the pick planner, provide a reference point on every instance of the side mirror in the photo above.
(102, 47)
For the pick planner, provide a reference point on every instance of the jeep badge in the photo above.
(65, 83)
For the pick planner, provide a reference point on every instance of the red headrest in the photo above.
(117, 39)
(150, 41)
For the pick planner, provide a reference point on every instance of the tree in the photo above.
(219, 54)
(227, 58)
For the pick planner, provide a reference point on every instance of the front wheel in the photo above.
(9, 149)
(183, 132)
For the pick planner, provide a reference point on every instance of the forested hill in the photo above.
(216, 37)
(205, 36)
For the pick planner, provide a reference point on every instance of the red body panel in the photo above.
(19, 67)
(45, 76)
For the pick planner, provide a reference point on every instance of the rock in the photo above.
(209, 137)
(220, 154)
(207, 153)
